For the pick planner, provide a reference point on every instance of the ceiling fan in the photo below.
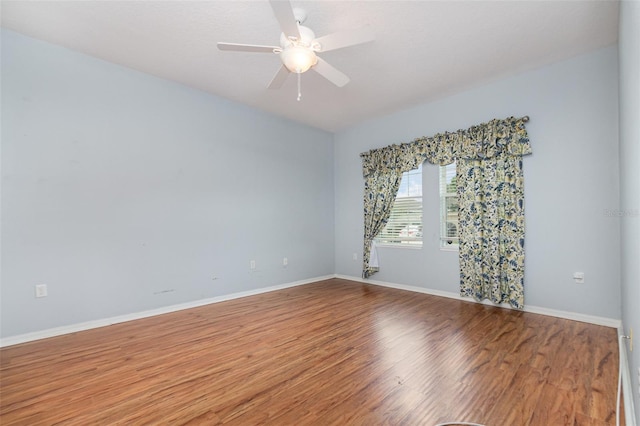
(299, 46)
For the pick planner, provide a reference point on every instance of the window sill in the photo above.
(449, 249)
(398, 246)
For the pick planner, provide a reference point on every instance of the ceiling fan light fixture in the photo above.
(299, 46)
(298, 59)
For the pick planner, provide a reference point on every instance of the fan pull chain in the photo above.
(299, 92)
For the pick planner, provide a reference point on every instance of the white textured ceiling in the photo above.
(423, 49)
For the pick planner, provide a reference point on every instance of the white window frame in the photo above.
(448, 197)
(405, 220)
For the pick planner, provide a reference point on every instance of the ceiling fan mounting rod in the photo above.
(299, 14)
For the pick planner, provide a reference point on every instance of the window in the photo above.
(404, 228)
(448, 207)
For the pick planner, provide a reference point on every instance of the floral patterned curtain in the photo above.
(491, 197)
(380, 189)
(491, 229)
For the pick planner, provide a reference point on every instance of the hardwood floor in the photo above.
(334, 352)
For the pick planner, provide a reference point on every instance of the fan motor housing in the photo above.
(306, 38)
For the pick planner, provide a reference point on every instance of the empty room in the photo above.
(278, 212)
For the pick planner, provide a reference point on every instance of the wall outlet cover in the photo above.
(41, 290)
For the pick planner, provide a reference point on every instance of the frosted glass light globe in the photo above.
(298, 59)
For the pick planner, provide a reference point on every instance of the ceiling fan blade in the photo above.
(246, 48)
(330, 73)
(284, 14)
(279, 78)
(345, 39)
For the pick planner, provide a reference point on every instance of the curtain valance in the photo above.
(486, 140)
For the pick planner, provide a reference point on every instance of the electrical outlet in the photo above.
(41, 290)
(355, 256)
(285, 261)
(252, 264)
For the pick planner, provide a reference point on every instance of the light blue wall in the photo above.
(124, 192)
(570, 180)
(629, 47)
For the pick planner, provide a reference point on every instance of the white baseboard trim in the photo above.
(607, 322)
(627, 391)
(74, 328)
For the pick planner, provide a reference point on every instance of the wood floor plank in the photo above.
(555, 407)
(334, 352)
